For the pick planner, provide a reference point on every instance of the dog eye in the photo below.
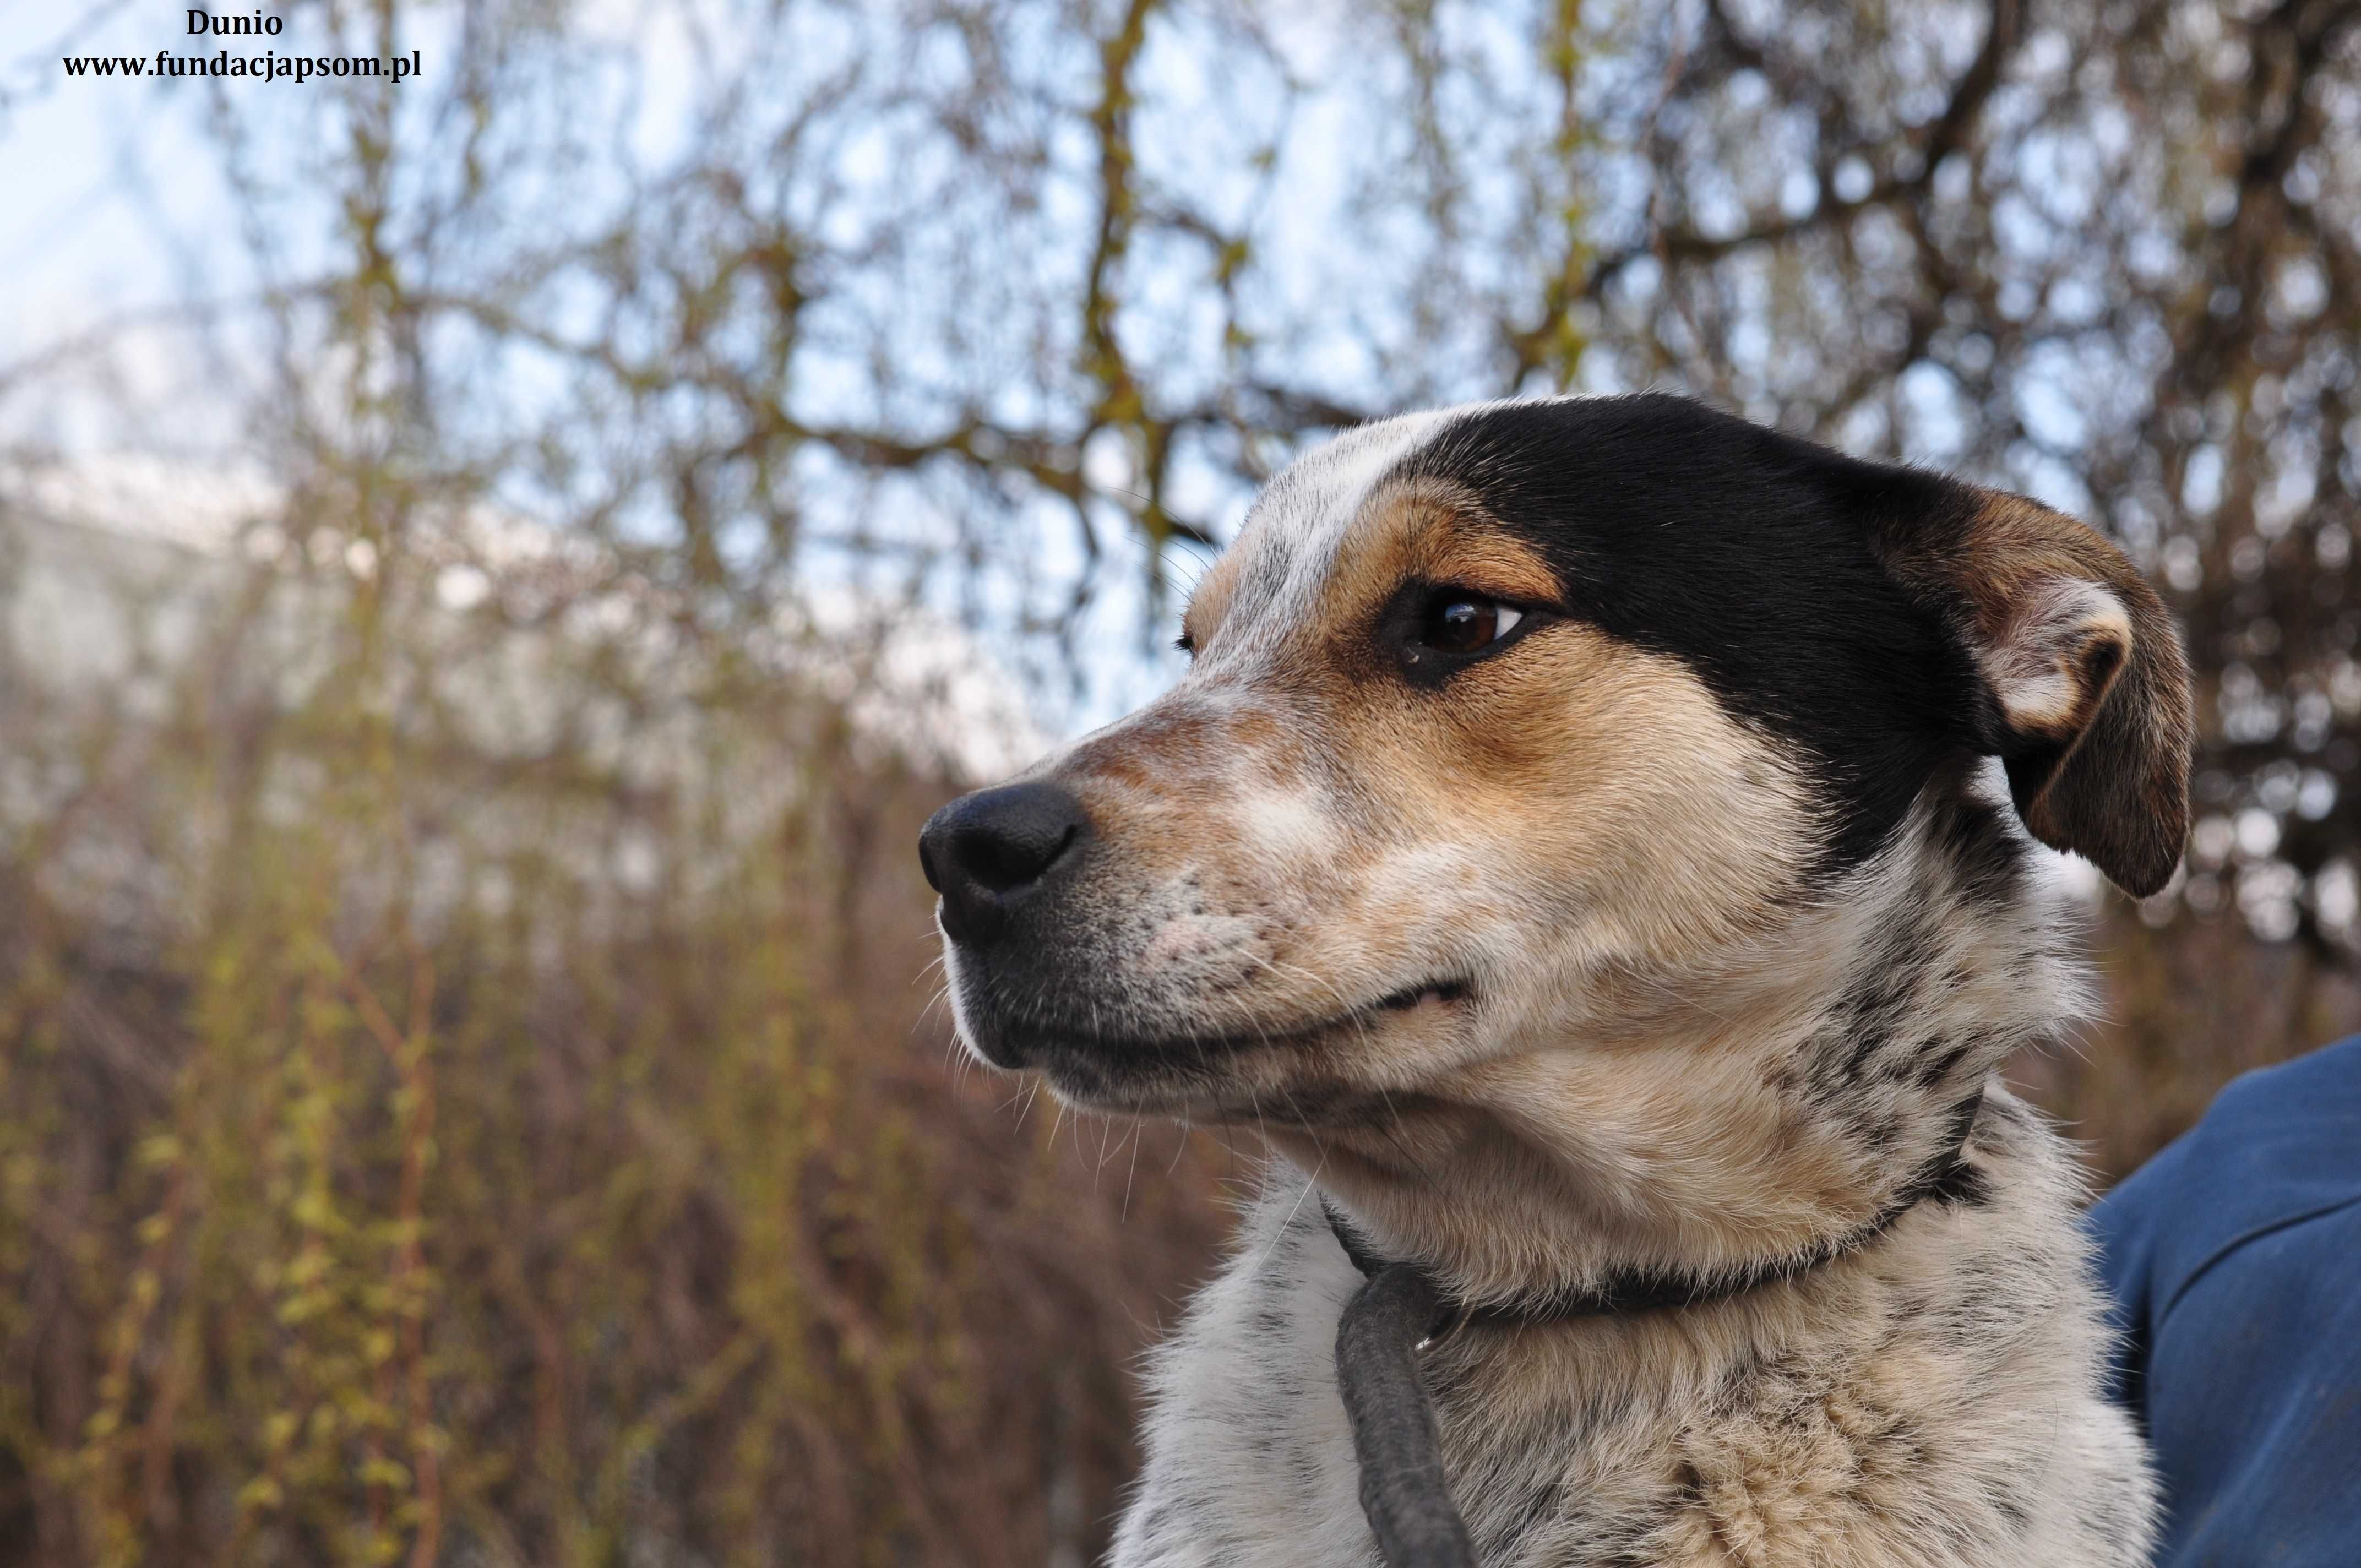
(1462, 623)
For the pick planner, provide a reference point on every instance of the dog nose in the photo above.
(989, 852)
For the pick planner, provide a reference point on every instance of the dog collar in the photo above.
(1400, 1313)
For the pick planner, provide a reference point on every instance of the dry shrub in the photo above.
(466, 1096)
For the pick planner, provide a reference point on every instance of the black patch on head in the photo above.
(1747, 555)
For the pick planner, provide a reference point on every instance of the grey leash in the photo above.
(1387, 1323)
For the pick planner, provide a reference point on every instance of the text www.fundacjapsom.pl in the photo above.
(268, 66)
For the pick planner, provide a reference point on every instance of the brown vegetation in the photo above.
(488, 1154)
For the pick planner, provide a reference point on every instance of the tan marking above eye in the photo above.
(1422, 531)
(1480, 565)
(1448, 538)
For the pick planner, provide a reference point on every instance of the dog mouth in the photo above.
(1445, 992)
(1114, 1065)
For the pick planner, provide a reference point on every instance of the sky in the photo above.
(88, 169)
(117, 209)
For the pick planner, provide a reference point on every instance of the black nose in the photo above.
(986, 853)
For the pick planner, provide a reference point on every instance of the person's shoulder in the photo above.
(2277, 1146)
(2298, 1118)
(2321, 1085)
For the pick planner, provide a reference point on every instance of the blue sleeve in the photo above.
(2233, 1258)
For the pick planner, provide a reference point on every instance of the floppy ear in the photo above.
(2088, 688)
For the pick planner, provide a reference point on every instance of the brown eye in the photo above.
(1460, 623)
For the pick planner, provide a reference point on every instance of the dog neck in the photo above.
(1694, 1134)
(1631, 1290)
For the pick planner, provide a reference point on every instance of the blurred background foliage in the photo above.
(479, 650)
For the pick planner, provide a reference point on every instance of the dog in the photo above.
(1596, 845)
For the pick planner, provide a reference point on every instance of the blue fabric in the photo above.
(2234, 1261)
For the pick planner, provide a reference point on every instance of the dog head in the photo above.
(1547, 776)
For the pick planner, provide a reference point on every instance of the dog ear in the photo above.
(2087, 685)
